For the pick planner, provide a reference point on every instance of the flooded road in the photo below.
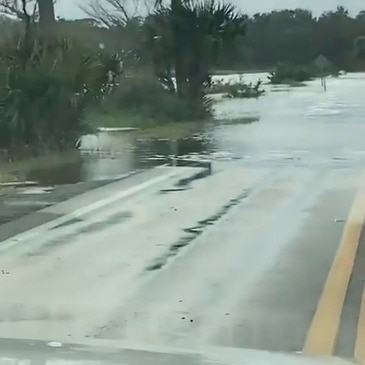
(304, 124)
(266, 252)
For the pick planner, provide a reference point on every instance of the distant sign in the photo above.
(359, 46)
(322, 63)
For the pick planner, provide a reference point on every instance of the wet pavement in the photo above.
(93, 352)
(266, 252)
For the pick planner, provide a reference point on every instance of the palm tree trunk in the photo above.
(47, 18)
(179, 63)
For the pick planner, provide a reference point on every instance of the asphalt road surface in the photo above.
(267, 252)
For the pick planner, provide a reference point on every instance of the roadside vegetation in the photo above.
(236, 89)
(53, 82)
(298, 37)
(294, 75)
(61, 79)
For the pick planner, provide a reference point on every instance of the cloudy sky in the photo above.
(70, 8)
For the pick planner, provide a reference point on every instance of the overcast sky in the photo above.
(70, 8)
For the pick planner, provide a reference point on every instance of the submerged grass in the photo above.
(165, 130)
(238, 121)
(172, 130)
(114, 118)
(293, 83)
(117, 118)
(288, 83)
(180, 130)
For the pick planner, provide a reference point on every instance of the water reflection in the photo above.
(112, 154)
(67, 173)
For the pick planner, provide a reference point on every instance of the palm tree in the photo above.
(176, 15)
(199, 29)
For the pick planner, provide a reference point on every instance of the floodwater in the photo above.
(300, 124)
(241, 258)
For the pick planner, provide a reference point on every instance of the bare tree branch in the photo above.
(103, 15)
(116, 12)
(120, 7)
(25, 10)
(14, 8)
(149, 5)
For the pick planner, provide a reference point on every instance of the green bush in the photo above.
(146, 97)
(287, 74)
(44, 90)
(236, 90)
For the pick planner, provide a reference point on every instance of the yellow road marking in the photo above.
(322, 333)
(360, 338)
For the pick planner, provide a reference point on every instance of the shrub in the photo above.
(236, 90)
(287, 74)
(146, 97)
(44, 89)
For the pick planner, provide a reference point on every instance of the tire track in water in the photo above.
(83, 229)
(192, 233)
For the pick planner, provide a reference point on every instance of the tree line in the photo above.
(298, 37)
(290, 36)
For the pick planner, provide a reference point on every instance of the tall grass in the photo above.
(145, 99)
